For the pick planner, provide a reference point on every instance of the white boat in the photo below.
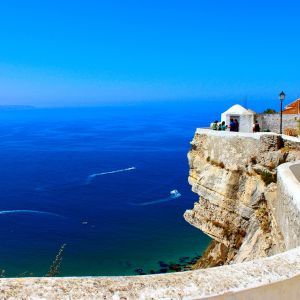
(175, 194)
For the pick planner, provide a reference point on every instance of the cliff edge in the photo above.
(235, 176)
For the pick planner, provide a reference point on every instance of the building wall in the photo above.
(272, 121)
(245, 121)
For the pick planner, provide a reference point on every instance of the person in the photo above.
(232, 125)
(237, 125)
(256, 127)
(223, 126)
(214, 125)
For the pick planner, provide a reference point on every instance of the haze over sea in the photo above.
(98, 180)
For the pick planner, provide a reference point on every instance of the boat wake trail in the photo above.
(173, 195)
(93, 176)
(28, 211)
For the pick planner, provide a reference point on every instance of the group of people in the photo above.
(233, 126)
(216, 125)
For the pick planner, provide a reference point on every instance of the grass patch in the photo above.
(268, 177)
(285, 149)
(263, 217)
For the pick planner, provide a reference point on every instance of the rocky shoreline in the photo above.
(185, 263)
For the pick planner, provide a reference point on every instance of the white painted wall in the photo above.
(246, 121)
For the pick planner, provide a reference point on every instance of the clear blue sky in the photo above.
(88, 52)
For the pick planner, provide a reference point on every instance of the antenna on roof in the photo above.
(246, 102)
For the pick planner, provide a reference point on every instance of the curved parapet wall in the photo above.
(274, 277)
(253, 275)
(287, 205)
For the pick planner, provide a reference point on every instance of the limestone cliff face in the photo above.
(235, 176)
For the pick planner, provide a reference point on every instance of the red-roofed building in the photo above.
(292, 108)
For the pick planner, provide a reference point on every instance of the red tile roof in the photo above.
(292, 108)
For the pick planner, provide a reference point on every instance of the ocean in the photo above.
(110, 182)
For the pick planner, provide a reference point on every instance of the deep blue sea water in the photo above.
(55, 160)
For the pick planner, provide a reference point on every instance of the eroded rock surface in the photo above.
(235, 178)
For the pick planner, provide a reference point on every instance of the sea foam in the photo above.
(92, 176)
(28, 211)
(174, 194)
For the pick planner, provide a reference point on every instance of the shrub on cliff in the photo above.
(291, 131)
(263, 217)
(269, 111)
(268, 177)
(217, 163)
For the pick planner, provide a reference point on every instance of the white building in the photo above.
(244, 116)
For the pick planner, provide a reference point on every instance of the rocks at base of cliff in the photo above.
(216, 254)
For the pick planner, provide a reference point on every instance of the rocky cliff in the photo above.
(234, 175)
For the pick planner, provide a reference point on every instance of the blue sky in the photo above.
(89, 52)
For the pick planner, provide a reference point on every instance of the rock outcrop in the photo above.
(235, 176)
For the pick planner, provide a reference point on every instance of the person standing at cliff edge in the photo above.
(223, 126)
(232, 125)
(237, 125)
(214, 125)
(256, 127)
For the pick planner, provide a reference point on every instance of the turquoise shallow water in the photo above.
(99, 180)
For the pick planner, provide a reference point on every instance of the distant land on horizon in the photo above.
(16, 107)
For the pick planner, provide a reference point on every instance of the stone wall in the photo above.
(272, 121)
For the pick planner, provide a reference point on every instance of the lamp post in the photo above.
(281, 97)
